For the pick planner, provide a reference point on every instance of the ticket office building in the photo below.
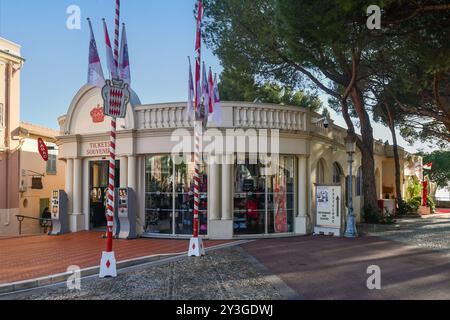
(240, 197)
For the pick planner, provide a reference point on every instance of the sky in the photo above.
(161, 35)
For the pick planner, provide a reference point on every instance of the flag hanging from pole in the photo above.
(215, 97)
(198, 55)
(124, 64)
(205, 94)
(210, 91)
(191, 92)
(428, 166)
(95, 70)
(109, 54)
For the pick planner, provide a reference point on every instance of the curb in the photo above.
(122, 266)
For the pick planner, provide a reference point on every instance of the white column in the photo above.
(69, 184)
(214, 189)
(132, 176)
(123, 172)
(77, 187)
(302, 187)
(227, 187)
(301, 225)
(76, 218)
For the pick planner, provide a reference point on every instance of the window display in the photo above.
(170, 196)
(264, 204)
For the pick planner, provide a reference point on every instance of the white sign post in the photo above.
(329, 210)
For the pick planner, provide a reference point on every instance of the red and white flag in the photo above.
(124, 64)
(215, 97)
(210, 91)
(109, 54)
(428, 166)
(95, 70)
(191, 92)
(205, 94)
(198, 56)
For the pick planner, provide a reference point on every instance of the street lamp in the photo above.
(350, 145)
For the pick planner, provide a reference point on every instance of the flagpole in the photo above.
(196, 244)
(108, 263)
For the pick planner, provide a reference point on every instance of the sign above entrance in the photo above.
(97, 149)
(116, 96)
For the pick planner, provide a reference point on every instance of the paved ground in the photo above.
(228, 274)
(32, 257)
(335, 268)
(430, 233)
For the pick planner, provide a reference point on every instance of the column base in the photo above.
(220, 229)
(301, 225)
(196, 248)
(76, 222)
(108, 265)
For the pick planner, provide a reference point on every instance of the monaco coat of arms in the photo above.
(116, 96)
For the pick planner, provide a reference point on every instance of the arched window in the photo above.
(320, 172)
(359, 186)
(337, 173)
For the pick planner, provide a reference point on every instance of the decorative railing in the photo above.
(235, 115)
(283, 118)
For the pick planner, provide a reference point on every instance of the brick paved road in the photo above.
(32, 257)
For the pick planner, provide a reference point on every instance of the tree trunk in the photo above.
(398, 183)
(367, 152)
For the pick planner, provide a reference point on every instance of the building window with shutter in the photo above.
(51, 163)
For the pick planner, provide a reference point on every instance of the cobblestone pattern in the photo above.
(222, 275)
(429, 233)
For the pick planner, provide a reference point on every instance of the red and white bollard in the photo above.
(196, 248)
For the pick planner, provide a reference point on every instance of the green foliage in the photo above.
(414, 188)
(404, 209)
(416, 202)
(440, 172)
(237, 85)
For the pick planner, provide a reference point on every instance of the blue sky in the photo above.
(161, 35)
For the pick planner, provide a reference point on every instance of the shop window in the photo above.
(264, 204)
(51, 163)
(169, 200)
(337, 173)
(359, 185)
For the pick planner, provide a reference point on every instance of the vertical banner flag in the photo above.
(210, 91)
(198, 55)
(217, 114)
(95, 70)
(205, 93)
(124, 64)
(109, 54)
(191, 92)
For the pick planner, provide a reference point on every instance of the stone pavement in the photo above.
(432, 232)
(336, 268)
(27, 258)
(226, 274)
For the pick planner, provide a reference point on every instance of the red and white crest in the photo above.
(116, 96)
(97, 114)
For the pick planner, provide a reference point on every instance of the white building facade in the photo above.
(242, 196)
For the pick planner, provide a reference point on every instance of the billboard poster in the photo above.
(329, 206)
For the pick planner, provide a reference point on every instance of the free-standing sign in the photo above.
(116, 96)
(43, 150)
(328, 209)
